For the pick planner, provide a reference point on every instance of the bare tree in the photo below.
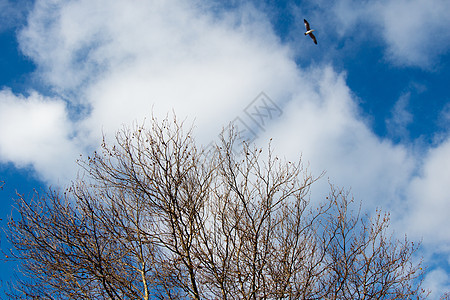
(156, 217)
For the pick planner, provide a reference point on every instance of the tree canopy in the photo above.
(156, 216)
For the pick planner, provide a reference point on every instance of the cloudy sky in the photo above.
(370, 104)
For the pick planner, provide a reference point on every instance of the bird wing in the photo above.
(306, 25)
(313, 37)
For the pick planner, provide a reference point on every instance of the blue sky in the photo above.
(370, 104)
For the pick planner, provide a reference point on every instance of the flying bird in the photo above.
(309, 31)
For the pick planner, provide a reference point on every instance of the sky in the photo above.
(369, 104)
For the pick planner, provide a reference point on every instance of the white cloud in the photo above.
(429, 199)
(64, 41)
(414, 31)
(36, 131)
(444, 117)
(400, 118)
(323, 123)
(12, 13)
(438, 282)
(166, 56)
